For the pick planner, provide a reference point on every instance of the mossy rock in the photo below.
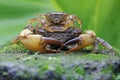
(16, 63)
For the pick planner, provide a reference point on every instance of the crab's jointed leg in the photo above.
(71, 21)
(95, 46)
(42, 21)
(37, 42)
(104, 43)
(40, 17)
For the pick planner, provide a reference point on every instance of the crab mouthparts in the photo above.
(56, 20)
(57, 28)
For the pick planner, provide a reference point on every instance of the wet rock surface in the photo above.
(17, 64)
(93, 70)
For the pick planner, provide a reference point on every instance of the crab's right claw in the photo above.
(51, 41)
(39, 43)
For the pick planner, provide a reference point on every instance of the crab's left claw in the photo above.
(36, 42)
(74, 42)
(84, 40)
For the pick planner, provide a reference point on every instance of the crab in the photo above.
(58, 31)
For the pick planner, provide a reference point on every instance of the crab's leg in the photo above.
(71, 21)
(95, 46)
(104, 43)
(32, 20)
(42, 21)
(40, 17)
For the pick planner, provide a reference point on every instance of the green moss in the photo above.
(71, 65)
(117, 51)
(14, 48)
(107, 70)
(93, 56)
(5, 73)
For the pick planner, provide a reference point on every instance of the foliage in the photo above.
(100, 15)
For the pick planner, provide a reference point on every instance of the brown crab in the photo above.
(58, 31)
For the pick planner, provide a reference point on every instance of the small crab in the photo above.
(57, 31)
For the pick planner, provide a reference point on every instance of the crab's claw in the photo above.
(84, 40)
(36, 42)
(73, 44)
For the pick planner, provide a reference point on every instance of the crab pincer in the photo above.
(36, 42)
(84, 40)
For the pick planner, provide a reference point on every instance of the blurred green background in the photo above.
(102, 16)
